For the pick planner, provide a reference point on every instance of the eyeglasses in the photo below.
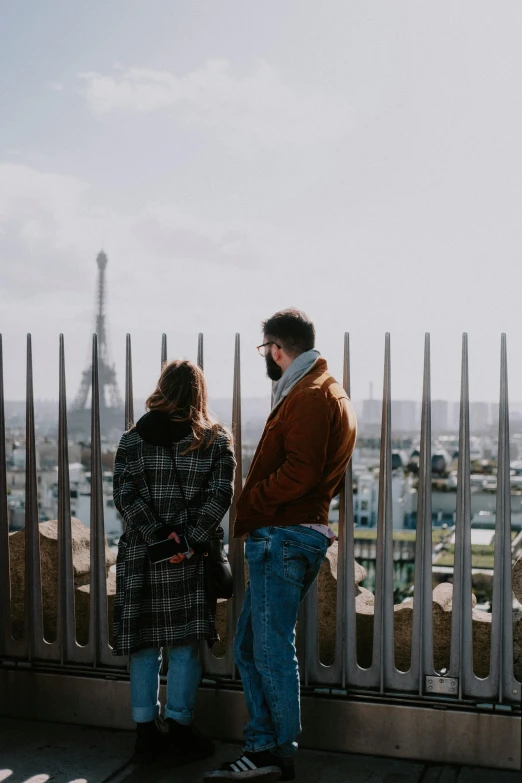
(262, 349)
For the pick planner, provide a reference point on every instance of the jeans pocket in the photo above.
(298, 559)
(259, 534)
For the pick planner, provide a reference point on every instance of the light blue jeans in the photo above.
(183, 680)
(283, 563)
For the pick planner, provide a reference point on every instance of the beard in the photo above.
(273, 370)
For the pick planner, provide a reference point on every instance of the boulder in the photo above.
(80, 535)
(327, 600)
(403, 625)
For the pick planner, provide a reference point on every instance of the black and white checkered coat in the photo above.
(164, 604)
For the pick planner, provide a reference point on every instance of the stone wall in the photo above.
(80, 535)
(327, 592)
(403, 620)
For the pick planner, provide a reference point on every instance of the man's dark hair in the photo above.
(292, 330)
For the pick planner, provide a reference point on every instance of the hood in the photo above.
(158, 428)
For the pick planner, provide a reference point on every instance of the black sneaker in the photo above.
(151, 743)
(186, 744)
(263, 765)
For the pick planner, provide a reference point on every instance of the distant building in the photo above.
(454, 416)
(439, 416)
(478, 417)
(405, 416)
(494, 412)
(366, 499)
(372, 412)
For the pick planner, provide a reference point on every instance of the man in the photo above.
(282, 511)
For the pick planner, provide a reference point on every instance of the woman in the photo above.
(176, 443)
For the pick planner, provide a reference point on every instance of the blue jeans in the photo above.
(283, 563)
(183, 680)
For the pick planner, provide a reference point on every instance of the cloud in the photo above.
(56, 86)
(175, 234)
(51, 224)
(257, 109)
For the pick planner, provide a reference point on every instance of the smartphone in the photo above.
(164, 550)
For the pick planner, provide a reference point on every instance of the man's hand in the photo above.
(179, 558)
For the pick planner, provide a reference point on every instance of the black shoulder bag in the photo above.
(219, 582)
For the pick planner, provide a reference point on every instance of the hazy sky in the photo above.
(361, 160)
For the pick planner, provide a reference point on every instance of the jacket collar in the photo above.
(157, 428)
(317, 368)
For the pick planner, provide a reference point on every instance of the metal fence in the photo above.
(458, 685)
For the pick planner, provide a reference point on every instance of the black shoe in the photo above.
(151, 743)
(263, 765)
(186, 744)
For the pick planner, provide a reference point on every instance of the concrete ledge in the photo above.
(454, 736)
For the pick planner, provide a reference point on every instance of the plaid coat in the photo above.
(164, 604)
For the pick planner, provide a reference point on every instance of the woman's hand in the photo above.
(179, 558)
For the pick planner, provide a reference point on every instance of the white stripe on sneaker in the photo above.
(242, 766)
(250, 763)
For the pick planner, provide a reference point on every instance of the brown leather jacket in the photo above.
(302, 456)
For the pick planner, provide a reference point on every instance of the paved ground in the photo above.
(32, 752)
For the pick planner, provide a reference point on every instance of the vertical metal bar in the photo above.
(500, 684)
(129, 397)
(373, 676)
(384, 565)
(422, 652)
(96, 520)
(500, 656)
(225, 667)
(9, 647)
(200, 351)
(461, 628)
(351, 669)
(98, 606)
(65, 618)
(33, 582)
(509, 689)
(236, 546)
(5, 581)
(315, 670)
(98, 621)
(490, 687)
(163, 350)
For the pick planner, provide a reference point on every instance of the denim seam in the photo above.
(260, 748)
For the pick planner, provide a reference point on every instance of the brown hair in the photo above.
(182, 394)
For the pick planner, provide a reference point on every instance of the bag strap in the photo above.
(178, 480)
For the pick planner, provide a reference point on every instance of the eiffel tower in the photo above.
(111, 406)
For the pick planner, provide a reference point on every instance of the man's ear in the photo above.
(277, 353)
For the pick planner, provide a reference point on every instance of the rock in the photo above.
(403, 623)
(481, 625)
(49, 570)
(327, 601)
(517, 580)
